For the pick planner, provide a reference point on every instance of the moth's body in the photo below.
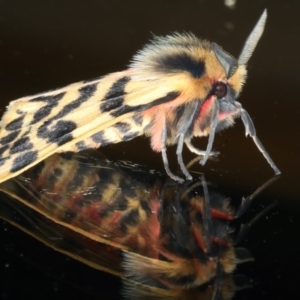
(176, 88)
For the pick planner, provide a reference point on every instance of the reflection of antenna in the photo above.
(242, 255)
(207, 222)
(248, 200)
(244, 229)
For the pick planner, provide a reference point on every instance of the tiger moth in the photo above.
(176, 88)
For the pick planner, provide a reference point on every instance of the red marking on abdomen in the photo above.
(158, 115)
(225, 115)
(220, 215)
(199, 239)
(205, 107)
(154, 207)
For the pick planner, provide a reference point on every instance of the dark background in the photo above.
(47, 44)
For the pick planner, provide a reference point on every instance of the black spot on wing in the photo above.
(122, 127)
(20, 145)
(137, 119)
(127, 109)
(145, 205)
(124, 109)
(85, 93)
(100, 139)
(121, 202)
(130, 219)
(130, 136)
(51, 179)
(81, 146)
(23, 160)
(60, 133)
(43, 112)
(57, 172)
(76, 180)
(181, 62)
(10, 137)
(114, 98)
(117, 89)
(15, 124)
(111, 104)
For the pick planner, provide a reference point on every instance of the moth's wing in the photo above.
(35, 127)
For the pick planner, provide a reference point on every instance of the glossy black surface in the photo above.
(47, 44)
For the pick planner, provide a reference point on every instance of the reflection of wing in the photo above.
(61, 238)
(73, 118)
(171, 238)
(84, 195)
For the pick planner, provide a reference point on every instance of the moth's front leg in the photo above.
(164, 155)
(197, 151)
(179, 157)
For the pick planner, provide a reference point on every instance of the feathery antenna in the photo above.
(253, 39)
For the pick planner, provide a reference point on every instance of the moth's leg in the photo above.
(197, 151)
(211, 137)
(179, 157)
(165, 158)
(250, 129)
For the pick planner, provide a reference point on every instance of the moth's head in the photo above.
(197, 70)
(235, 69)
(193, 66)
(226, 75)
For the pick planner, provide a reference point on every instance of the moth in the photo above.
(176, 88)
(160, 237)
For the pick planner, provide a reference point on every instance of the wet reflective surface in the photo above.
(49, 44)
(163, 239)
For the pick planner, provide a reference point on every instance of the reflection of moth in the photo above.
(176, 88)
(162, 238)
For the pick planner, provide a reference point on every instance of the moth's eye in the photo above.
(219, 89)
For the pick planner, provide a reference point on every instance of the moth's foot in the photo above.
(189, 177)
(176, 178)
